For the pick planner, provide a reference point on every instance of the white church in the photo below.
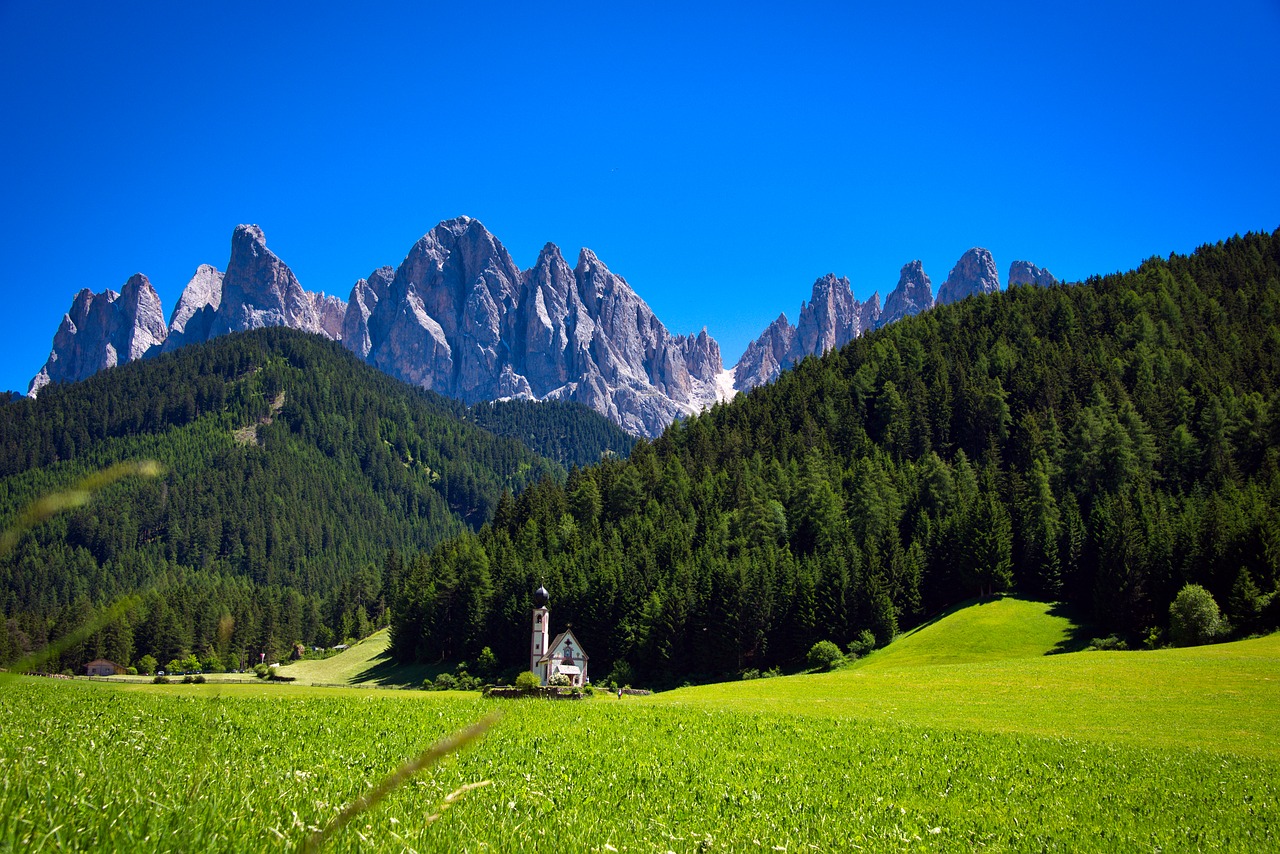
(562, 654)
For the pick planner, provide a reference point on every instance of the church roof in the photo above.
(555, 644)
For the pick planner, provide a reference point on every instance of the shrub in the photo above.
(1194, 617)
(863, 644)
(446, 682)
(751, 673)
(199, 678)
(621, 674)
(560, 680)
(527, 681)
(187, 679)
(261, 670)
(132, 671)
(1109, 643)
(771, 672)
(161, 680)
(825, 655)
(147, 664)
(486, 663)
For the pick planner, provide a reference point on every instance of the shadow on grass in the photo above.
(1079, 636)
(386, 672)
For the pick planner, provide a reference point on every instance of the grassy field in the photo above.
(366, 663)
(900, 752)
(988, 668)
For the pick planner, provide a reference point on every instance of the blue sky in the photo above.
(721, 157)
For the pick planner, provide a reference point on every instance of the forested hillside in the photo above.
(560, 430)
(1102, 443)
(292, 469)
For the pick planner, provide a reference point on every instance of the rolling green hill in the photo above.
(989, 667)
(989, 630)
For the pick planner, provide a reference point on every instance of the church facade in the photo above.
(549, 656)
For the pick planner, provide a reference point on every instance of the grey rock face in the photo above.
(104, 330)
(766, 356)
(458, 316)
(913, 294)
(974, 273)
(259, 290)
(831, 318)
(1026, 273)
(141, 325)
(365, 296)
(193, 316)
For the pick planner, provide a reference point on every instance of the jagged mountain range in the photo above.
(458, 316)
(833, 316)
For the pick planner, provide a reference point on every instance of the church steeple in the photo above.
(541, 633)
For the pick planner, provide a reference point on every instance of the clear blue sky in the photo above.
(721, 157)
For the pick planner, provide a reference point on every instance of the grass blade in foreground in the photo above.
(426, 759)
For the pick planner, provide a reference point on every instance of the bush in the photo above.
(486, 663)
(446, 682)
(147, 664)
(863, 644)
(1194, 617)
(1110, 643)
(751, 673)
(161, 680)
(132, 671)
(187, 679)
(771, 672)
(825, 655)
(527, 681)
(199, 678)
(261, 670)
(560, 680)
(621, 674)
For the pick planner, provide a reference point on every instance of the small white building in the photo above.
(561, 655)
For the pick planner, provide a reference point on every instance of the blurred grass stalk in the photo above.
(426, 759)
(43, 509)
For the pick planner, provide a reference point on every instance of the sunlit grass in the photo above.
(1172, 750)
(1223, 698)
(91, 766)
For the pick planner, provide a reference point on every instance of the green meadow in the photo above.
(963, 735)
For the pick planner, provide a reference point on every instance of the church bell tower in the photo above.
(541, 633)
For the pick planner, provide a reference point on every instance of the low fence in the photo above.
(545, 692)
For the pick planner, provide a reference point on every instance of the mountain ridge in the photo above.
(460, 317)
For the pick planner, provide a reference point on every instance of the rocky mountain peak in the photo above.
(831, 318)
(461, 318)
(974, 273)
(258, 289)
(365, 296)
(193, 316)
(1026, 273)
(103, 330)
(913, 294)
(141, 319)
